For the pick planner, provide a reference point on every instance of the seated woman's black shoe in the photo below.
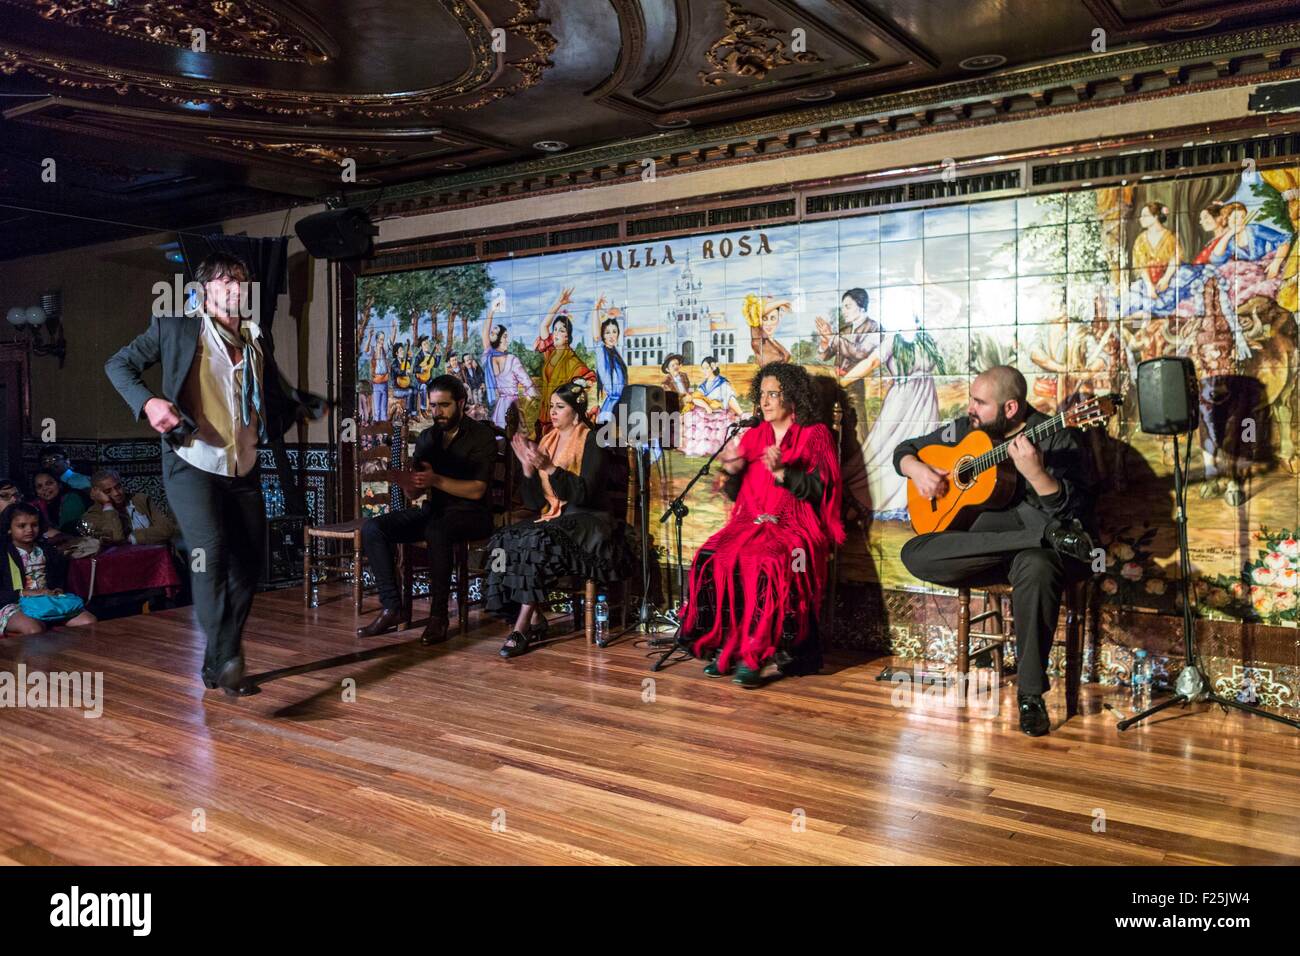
(515, 645)
(537, 632)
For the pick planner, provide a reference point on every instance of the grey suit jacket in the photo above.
(173, 341)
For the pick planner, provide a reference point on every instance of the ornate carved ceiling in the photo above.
(246, 28)
(263, 102)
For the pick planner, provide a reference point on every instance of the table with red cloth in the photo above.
(121, 568)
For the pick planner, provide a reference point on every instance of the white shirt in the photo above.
(222, 444)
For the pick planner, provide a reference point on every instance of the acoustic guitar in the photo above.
(981, 476)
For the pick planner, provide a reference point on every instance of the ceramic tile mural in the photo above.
(901, 309)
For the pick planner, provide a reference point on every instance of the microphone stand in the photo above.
(678, 510)
(649, 620)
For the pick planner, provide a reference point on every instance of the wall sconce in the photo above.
(40, 327)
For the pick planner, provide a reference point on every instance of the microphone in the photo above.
(749, 422)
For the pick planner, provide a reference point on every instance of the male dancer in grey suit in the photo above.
(221, 393)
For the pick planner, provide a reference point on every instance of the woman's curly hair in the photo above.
(796, 390)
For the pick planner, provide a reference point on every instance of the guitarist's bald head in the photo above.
(1007, 383)
(991, 397)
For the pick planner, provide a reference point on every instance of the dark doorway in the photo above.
(15, 409)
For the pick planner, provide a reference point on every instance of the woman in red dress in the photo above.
(769, 561)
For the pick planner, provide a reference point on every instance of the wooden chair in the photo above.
(471, 557)
(582, 591)
(1076, 605)
(618, 478)
(374, 461)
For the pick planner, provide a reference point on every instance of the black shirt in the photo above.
(470, 457)
(1064, 457)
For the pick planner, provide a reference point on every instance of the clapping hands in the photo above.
(529, 455)
(772, 462)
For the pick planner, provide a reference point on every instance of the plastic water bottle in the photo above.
(1141, 680)
(602, 619)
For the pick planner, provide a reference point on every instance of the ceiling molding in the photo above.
(261, 29)
(1119, 26)
(1137, 74)
(485, 81)
(312, 152)
(753, 44)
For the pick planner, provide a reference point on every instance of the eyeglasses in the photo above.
(775, 396)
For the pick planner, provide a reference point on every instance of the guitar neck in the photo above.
(991, 459)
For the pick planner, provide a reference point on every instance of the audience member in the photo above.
(114, 517)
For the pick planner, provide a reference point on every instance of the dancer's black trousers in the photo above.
(223, 522)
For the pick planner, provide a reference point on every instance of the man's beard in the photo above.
(999, 426)
(450, 423)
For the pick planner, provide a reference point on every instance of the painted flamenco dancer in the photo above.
(768, 562)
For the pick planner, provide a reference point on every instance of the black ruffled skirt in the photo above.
(537, 554)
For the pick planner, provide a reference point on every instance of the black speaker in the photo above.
(337, 233)
(1167, 396)
(646, 399)
(282, 552)
(645, 411)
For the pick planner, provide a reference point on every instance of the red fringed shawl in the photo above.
(762, 570)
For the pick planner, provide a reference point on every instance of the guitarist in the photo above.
(1036, 542)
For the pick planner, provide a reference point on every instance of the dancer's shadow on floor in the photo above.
(388, 660)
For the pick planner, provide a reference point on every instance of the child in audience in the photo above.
(32, 577)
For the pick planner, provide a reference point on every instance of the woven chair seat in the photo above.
(344, 529)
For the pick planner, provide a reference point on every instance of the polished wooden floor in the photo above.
(566, 755)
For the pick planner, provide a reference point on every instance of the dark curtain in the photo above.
(268, 259)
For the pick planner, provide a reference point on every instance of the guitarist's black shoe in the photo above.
(1070, 539)
(1033, 714)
